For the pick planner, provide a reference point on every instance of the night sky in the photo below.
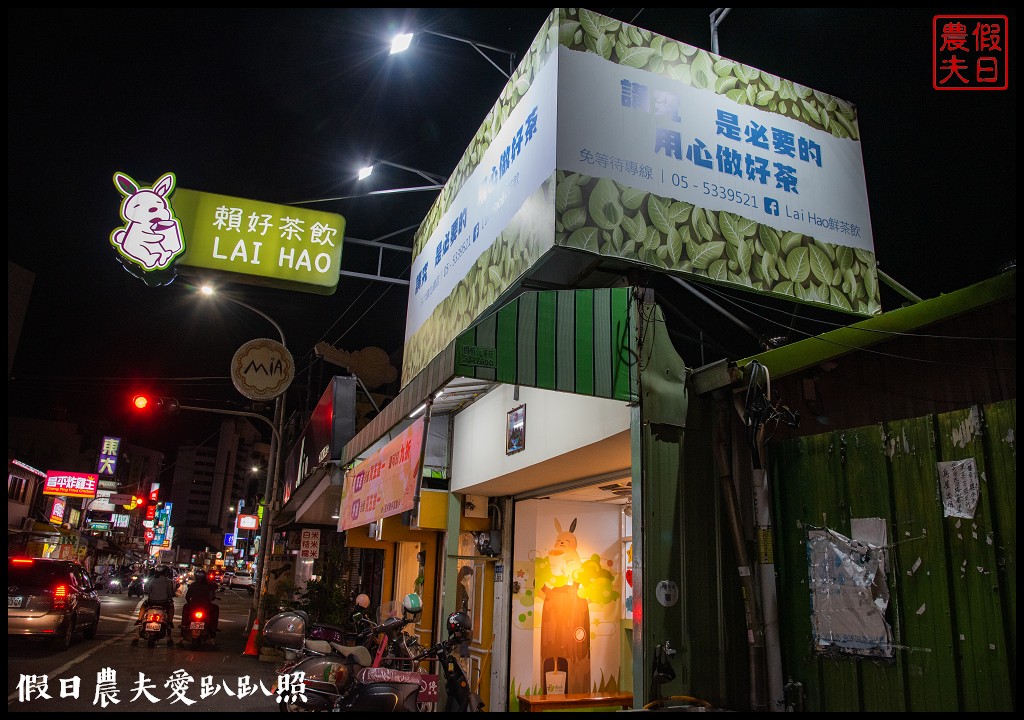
(283, 105)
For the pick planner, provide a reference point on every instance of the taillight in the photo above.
(60, 597)
(22, 561)
(153, 617)
(198, 614)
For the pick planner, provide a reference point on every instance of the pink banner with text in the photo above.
(385, 483)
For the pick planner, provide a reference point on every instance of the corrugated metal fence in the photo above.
(952, 580)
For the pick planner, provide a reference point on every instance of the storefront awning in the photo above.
(524, 342)
(40, 529)
(315, 500)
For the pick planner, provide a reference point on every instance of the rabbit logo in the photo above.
(564, 558)
(151, 235)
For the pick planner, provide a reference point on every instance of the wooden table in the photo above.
(537, 703)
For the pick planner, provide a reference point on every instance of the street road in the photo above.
(218, 679)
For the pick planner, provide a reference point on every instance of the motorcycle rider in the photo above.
(202, 592)
(161, 591)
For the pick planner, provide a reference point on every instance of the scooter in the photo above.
(340, 682)
(197, 624)
(137, 586)
(293, 632)
(155, 625)
(114, 585)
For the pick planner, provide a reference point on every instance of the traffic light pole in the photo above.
(260, 579)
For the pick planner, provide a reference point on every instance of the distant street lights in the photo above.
(402, 41)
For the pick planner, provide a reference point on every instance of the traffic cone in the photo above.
(250, 646)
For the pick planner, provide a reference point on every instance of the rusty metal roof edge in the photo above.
(815, 349)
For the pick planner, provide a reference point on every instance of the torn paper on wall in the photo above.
(849, 595)
(958, 486)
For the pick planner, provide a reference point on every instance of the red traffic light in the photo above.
(144, 403)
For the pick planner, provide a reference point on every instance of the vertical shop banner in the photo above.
(57, 510)
(385, 483)
(106, 464)
(309, 544)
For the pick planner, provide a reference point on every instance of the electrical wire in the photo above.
(828, 323)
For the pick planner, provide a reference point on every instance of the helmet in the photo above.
(363, 600)
(200, 575)
(460, 626)
(411, 604)
(163, 571)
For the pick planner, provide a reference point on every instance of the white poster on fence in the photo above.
(958, 485)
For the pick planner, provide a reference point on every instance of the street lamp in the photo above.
(273, 477)
(437, 183)
(402, 41)
(367, 170)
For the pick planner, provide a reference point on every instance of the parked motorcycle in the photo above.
(154, 626)
(197, 624)
(340, 682)
(292, 631)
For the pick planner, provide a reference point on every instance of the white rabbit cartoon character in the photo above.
(563, 558)
(151, 235)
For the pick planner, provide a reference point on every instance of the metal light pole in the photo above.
(402, 41)
(86, 502)
(273, 476)
(436, 180)
(716, 19)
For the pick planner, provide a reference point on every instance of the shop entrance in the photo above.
(571, 591)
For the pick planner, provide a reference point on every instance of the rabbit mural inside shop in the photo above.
(565, 619)
(151, 235)
(563, 557)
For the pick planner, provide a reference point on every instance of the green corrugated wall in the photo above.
(952, 580)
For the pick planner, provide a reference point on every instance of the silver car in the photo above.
(239, 580)
(51, 598)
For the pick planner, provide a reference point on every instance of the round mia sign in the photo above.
(262, 369)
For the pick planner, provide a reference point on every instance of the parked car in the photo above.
(51, 598)
(240, 580)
